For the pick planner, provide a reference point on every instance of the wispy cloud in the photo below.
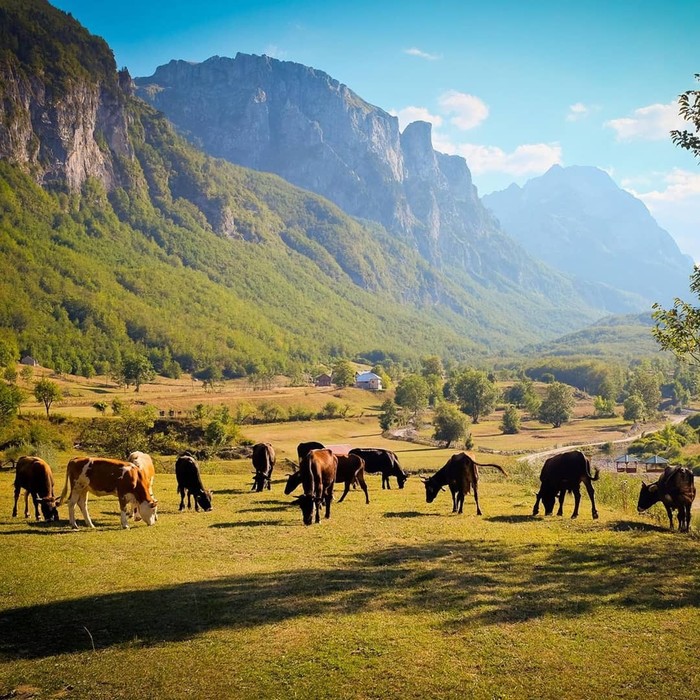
(413, 51)
(274, 51)
(651, 123)
(527, 159)
(579, 111)
(467, 110)
(415, 114)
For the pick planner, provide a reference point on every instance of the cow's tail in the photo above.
(593, 476)
(498, 466)
(65, 487)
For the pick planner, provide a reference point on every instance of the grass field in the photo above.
(395, 599)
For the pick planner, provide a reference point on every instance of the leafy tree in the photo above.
(343, 373)
(557, 405)
(412, 393)
(689, 104)
(136, 370)
(634, 408)
(47, 392)
(117, 406)
(27, 374)
(382, 374)
(388, 414)
(603, 408)
(100, 407)
(210, 376)
(10, 400)
(10, 374)
(9, 350)
(477, 395)
(645, 381)
(215, 433)
(510, 424)
(523, 395)
(450, 423)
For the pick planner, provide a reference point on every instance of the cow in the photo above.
(565, 472)
(104, 477)
(145, 463)
(350, 470)
(303, 448)
(384, 461)
(318, 471)
(676, 490)
(190, 480)
(461, 474)
(263, 464)
(34, 475)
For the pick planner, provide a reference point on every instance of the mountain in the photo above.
(579, 221)
(118, 236)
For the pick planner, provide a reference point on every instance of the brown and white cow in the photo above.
(676, 490)
(144, 462)
(105, 477)
(318, 471)
(34, 475)
(461, 474)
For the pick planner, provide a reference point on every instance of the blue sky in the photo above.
(512, 85)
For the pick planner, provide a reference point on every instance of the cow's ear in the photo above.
(424, 479)
(442, 488)
(653, 488)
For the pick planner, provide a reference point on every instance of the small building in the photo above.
(655, 464)
(627, 463)
(323, 380)
(369, 381)
(29, 361)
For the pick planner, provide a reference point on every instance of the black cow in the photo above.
(190, 480)
(34, 475)
(318, 470)
(350, 470)
(263, 463)
(461, 474)
(565, 472)
(303, 448)
(676, 490)
(384, 461)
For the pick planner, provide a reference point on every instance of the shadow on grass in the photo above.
(248, 523)
(410, 514)
(635, 526)
(462, 583)
(510, 518)
(266, 509)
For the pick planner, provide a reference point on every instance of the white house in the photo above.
(368, 380)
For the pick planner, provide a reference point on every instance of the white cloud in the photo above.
(675, 204)
(274, 51)
(469, 111)
(422, 54)
(527, 159)
(578, 111)
(415, 114)
(651, 123)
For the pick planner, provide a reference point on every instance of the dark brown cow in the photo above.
(189, 480)
(384, 461)
(565, 472)
(36, 478)
(303, 448)
(676, 490)
(318, 470)
(263, 463)
(461, 474)
(105, 477)
(351, 470)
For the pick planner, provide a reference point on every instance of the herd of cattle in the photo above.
(319, 469)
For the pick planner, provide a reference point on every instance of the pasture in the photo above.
(393, 599)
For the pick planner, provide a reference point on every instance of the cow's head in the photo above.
(306, 503)
(548, 497)
(147, 510)
(431, 489)
(293, 480)
(647, 497)
(401, 478)
(48, 508)
(203, 498)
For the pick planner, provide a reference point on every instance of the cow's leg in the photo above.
(329, 498)
(189, 502)
(562, 495)
(73, 499)
(269, 480)
(455, 498)
(536, 509)
(669, 512)
(345, 491)
(476, 498)
(363, 486)
(35, 498)
(577, 500)
(26, 504)
(385, 480)
(124, 508)
(14, 509)
(591, 495)
(82, 504)
(182, 498)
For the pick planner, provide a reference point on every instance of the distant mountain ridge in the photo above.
(579, 221)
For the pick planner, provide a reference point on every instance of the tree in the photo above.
(646, 382)
(136, 370)
(634, 408)
(343, 373)
(388, 414)
(210, 376)
(100, 407)
(27, 374)
(382, 374)
(477, 395)
(557, 405)
(47, 392)
(10, 400)
(603, 408)
(412, 393)
(9, 351)
(450, 423)
(10, 374)
(510, 424)
(689, 109)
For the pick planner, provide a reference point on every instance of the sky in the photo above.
(514, 86)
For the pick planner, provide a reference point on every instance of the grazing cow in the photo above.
(384, 461)
(303, 448)
(461, 474)
(675, 489)
(318, 470)
(104, 477)
(190, 480)
(145, 463)
(351, 470)
(263, 463)
(36, 478)
(565, 472)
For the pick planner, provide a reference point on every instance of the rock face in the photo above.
(579, 221)
(313, 131)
